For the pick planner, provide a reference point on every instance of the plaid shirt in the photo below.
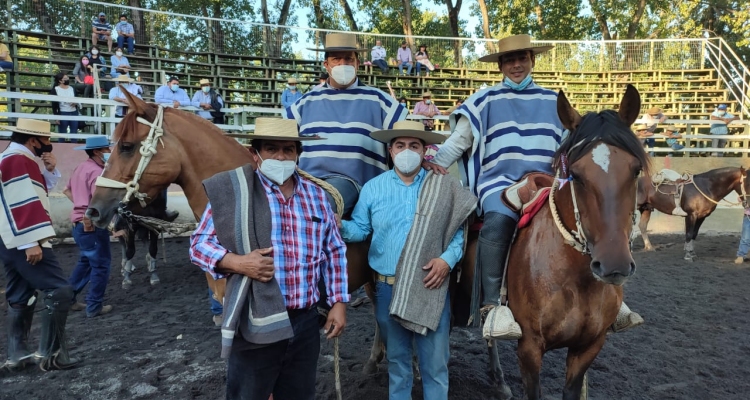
(124, 28)
(305, 241)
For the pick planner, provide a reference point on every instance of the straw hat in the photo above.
(413, 129)
(640, 127)
(204, 82)
(291, 81)
(654, 110)
(426, 94)
(124, 78)
(340, 42)
(278, 129)
(32, 127)
(512, 44)
(95, 142)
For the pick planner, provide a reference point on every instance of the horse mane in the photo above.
(605, 126)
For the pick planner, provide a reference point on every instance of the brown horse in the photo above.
(699, 200)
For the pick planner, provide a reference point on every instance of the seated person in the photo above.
(117, 95)
(672, 134)
(423, 60)
(6, 63)
(120, 64)
(172, 94)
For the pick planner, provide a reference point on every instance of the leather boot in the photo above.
(499, 322)
(53, 346)
(19, 325)
(170, 215)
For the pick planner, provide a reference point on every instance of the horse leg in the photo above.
(153, 248)
(643, 227)
(689, 227)
(530, 362)
(377, 352)
(128, 268)
(578, 362)
(124, 248)
(496, 371)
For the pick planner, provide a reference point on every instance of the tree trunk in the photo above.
(280, 31)
(139, 24)
(267, 43)
(349, 15)
(204, 11)
(406, 23)
(218, 30)
(486, 26)
(636, 20)
(453, 20)
(46, 22)
(540, 19)
(319, 21)
(601, 19)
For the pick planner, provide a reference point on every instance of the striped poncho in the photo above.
(345, 118)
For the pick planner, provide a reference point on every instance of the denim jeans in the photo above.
(381, 64)
(63, 127)
(131, 43)
(93, 267)
(348, 190)
(6, 65)
(419, 69)
(216, 307)
(745, 239)
(433, 351)
(401, 68)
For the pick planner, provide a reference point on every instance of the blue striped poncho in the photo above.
(345, 118)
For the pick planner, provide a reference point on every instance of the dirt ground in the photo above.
(159, 342)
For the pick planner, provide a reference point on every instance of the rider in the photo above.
(502, 133)
(344, 112)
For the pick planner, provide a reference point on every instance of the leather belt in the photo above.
(388, 280)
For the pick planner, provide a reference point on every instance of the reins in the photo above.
(742, 190)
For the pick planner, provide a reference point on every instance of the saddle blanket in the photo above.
(531, 209)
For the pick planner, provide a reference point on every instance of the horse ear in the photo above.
(568, 115)
(630, 106)
(135, 104)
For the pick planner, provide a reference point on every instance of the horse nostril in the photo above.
(92, 213)
(596, 267)
(632, 268)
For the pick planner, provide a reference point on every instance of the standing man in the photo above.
(290, 94)
(725, 117)
(344, 113)
(25, 250)
(101, 30)
(413, 255)
(270, 329)
(125, 34)
(378, 57)
(117, 94)
(427, 108)
(209, 101)
(404, 58)
(172, 94)
(501, 134)
(95, 260)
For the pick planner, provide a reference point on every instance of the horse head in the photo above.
(603, 159)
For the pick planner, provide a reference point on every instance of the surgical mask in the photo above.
(94, 52)
(85, 62)
(174, 87)
(118, 53)
(65, 81)
(206, 89)
(428, 101)
(46, 148)
(343, 74)
(105, 157)
(518, 86)
(277, 171)
(407, 161)
(293, 87)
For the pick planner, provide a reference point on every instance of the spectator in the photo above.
(120, 64)
(125, 33)
(290, 94)
(404, 59)
(117, 94)
(720, 114)
(423, 60)
(672, 134)
(98, 63)
(6, 63)
(101, 30)
(641, 130)
(428, 109)
(172, 95)
(459, 102)
(403, 102)
(62, 88)
(207, 99)
(378, 57)
(745, 235)
(651, 119)
(84, 79)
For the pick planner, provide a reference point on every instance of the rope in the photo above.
(328, 188)
(567, 236)
(337, 367)
(724, 200)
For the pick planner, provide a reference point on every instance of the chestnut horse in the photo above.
(699, 200)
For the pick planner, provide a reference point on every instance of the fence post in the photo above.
(83, 20)
(651, 57)
(703, 54)
(601, 55)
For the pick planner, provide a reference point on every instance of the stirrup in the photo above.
(626, 319)
(679, 212)
(499, 324)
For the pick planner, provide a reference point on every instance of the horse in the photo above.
(699, 199)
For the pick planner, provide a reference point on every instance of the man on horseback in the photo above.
(412, 256)
(344, 112)
(274, 234)
(501, 134)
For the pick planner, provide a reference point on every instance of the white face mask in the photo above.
(277, 171)
(343, 74)
(118, 53)
(94, 52)
(407, 161)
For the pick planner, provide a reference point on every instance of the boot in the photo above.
(19, 325)
(170, 215)
(53, 346)
(626, 319)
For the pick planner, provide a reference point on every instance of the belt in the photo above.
(294, 313)
(388, 280)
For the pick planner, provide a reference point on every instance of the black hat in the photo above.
(324, 75)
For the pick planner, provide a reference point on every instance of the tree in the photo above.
(453, 11)
(139, 24)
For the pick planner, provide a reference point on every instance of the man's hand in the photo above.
(34, 255)
(434, 168)
(176, 104)
(49, 160)
(256, 265)
(439, 269)
(205, 106)
(338, 221)
(87, 225)
(336, 321)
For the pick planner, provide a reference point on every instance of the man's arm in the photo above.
(159, 96)
(196, 102)
(68, 193)
(441, 267)
(285, 98)
(336, 278)
(184, 99)
(457, 144)
(452, 255)
(360, 226)
(51, 177)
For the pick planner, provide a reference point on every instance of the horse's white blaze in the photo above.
(601, 156)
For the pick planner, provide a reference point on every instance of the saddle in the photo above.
(524, 194)
(670, 177)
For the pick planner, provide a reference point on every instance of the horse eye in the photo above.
(638, 172)
(126, 147)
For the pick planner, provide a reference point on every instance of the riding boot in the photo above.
(170, 215)
(53, 346)
(626, 319)
(19, 325)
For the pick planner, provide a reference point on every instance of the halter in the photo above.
(148, 150)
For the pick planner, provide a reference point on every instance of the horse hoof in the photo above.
(127, 285)
(506, 393)
(370, 368)
(688, 258)
(155, 282)
(649, 248)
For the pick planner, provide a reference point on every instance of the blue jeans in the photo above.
(419, 68)
(63, 127)
(401, 68)
(94, 264)
(433, 351)
(6, 65)
(381, 64)
(745, 239)
(216, 307)
(131, 43)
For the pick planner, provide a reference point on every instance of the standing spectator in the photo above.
(84, 79)
(101, 30)
(210, 101)
(125, 33)
(378, 57)
(745, 236)
(404, 58)
(423, 60)
(61, 87)
(427, 108)
(720, 114)
(6, 63)
(120, 64)
(652, 117)
(117, 95)
(171, 94)
(290, 94)
(95, 260)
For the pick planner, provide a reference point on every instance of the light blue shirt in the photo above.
(386, 208)
(165, 95)
(200, 97)
(117, 62)
(288, 97)
(720, 128)
(116, 92)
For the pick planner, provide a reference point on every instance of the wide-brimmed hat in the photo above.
(413, 129)
(427, 94)
(278, 129)
(32, 127)
(654, 110)
(340, 42)
(95, 142)
(124, 78)
(291, 80)
(671, 128)
(640, 127)
(204, 82)
(512, 44)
